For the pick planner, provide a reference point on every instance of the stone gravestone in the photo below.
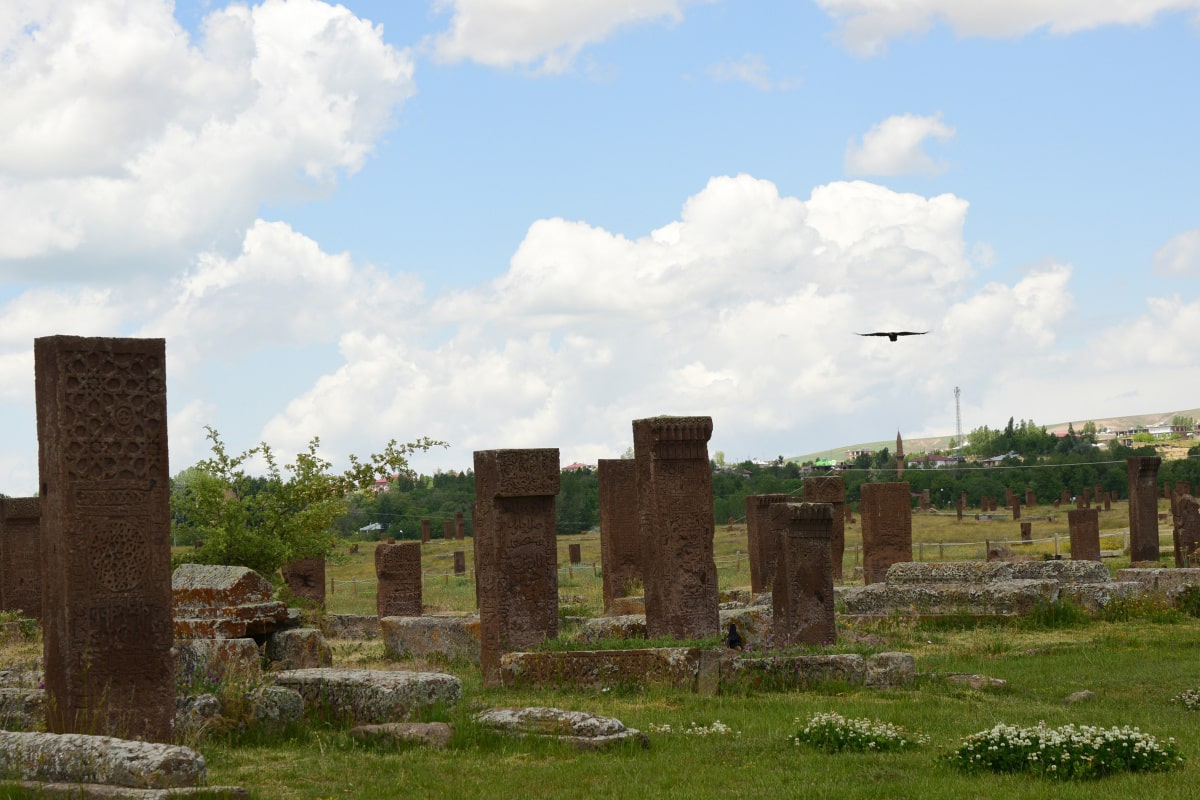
(460, 562)
(620, 537)
(802, 594)
(575, 553)
(832, 490)
(106, 536)
(886, 527)
(1016, 507)
(516, 554)
(1142, 475)
(925, 504)
(1098, 494)
(760, 540)
(448, 530)
(1079, 501)
(1030, 500)
(675, 509)
(959, 509)
(398, 570)
(460, 527)
(1026, 531)
(1087, 497)
(1064, 498)
(1084, 526)
(306, 579)
(1108, 501)
(425, 531)
(1189, 532)
(21, 555)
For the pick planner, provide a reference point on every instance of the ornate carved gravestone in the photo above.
(398, 570)
(620, 537)
(106, 536)
(460, 562)
(675, 509)
(1084, 527)
(832, 490)
(1189, 532)
(460, 528)
(425, 531)
(1142, 475)
(802, 596)
(886, 527)
(306, 579)
(760, 540)
(21, 555)
(516, 554)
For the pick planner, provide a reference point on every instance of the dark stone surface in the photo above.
(832, 490)
(886, 527)
(675, 509)
(802, 594)
(306, 579)
(760, 541)
(21, 555)
(398, 570)
(106, 535)
(1084, 527)
(620, 536)
(516, 553)
(1142, 476)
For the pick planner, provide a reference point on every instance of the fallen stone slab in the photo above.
(221, 602)
(953, 572)
(1167, 582)
(626, 626)
(597, 669)
(443, 636)
(882, 670)
(371, 695)
(352, 626)
(298, 648)
(94, 791)
(1000, 597)
(1094, 596)
(582, 730)
(429, 734)
(978, 682)
(79, 758)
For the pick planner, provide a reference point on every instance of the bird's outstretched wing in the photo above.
(893, 334)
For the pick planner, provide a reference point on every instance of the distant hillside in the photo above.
(914, 446)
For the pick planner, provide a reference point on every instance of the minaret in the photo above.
(899, 456)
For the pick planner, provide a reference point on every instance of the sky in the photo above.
(526, 223)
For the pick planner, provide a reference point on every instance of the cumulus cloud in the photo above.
(545, 35)
(749, 69)
(868, 25)
(1179, 257)
(123, 143)
(893, 147)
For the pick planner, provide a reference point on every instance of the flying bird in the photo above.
(893, 334)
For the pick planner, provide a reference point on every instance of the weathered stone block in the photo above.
(372, 695)
(1167, 582)
(1084, 527)
(886, 510)
(210, 661)
(352, 626)
(306, 579)
(999, 597)
(629, 626)
(448, 637)
(299, 648)
(398, 570)
(802, 600)
(580, 729)
(1142, 477)
(675, 666)
(79, 758)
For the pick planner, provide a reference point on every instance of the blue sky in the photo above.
(511, 224)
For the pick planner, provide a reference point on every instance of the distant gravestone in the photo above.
(1084, 526)
(1108, 501)
(1189, 532)
(959, 510)
(760, 540)
(1016, 507)
(802, 594)
(620, 536)
(106, 536)
(675, 508)
(1030, 498)
(425, 531)
(516, 554)
(886, 527)
(21, 555)
(1142, 476)
(1026, 531)
(398, 571)
(460, 528)
(306, 578)
(460, 562)
(575, 553)
(925, 505)
(1064, 498)
(448, 530)
(1087, 497)
(831, 489)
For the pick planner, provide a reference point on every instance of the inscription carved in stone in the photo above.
(831, 489)
(886, 527)
(398, 570)
(620, 535)
(21, 555)
(802, 596)
(1142, 476)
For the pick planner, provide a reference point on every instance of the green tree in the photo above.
(264, 523)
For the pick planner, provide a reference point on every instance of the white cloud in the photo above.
(893, 147)
(867, 25)
(750, 69)
(123, 144)
(546, 35)
(1179, 257)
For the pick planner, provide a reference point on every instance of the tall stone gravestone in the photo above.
(886, 527)
(106, 536)
(1142, 475)
(448, 530)
(760, 540)
(575, 553)
(460, 527)
(1026, 531)
(398, 571)
(460, 563)
(425, 532)
(675, 509)
(516, 554)
(1189, 532)
(306, 578)
(1016, 507)
(802, 594)
(831, 489)
(1064, 498)
(620, 537)
(1084, 527)
(1030, 500)
(21, 555)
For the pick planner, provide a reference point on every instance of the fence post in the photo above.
(920, 551)
(738, 566)
(595, 570)
(354, 586)
(1056, 543)
(332, 586)
(987, 548)
(941, 552)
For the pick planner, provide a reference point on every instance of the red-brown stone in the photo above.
(886, 510)
(620, 535)
(802, 597)
(1084, 526)
(398, 570)
(831, 489)
(1142, 476)
(760, 541)
(21, 555)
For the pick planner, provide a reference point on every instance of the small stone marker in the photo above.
(575, 553)
(1026, 531)
(460, 562)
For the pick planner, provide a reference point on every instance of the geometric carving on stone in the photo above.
(20, 555)
(832, 490)
(398, 570)
(1142, 476)
(105, 549)
(675, 512)
(516, 558)
(886, 511)
(1084, 527)
(306, 578)
(620, 536)
(761, 539)
(802, 595)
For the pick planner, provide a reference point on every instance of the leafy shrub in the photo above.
(1067, 753)
(833, 733)
(1188, 601)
